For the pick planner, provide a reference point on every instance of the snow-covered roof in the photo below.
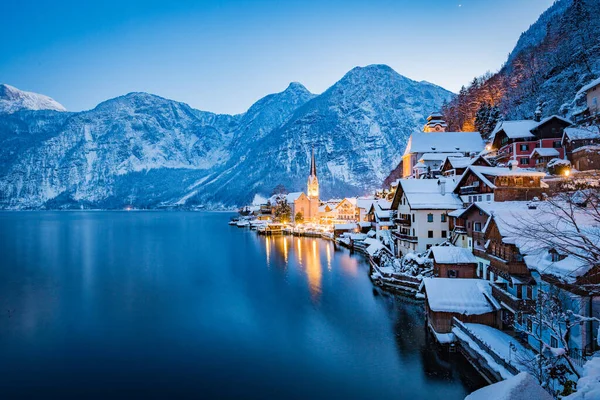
(519, 387)
(291, 197)
(426, 194)
(504, 171)
(582, 133)
(460, 162)
(545, 152)
(375, 247)
(515, 129)
(344, 227)
(589, 86)
(439, 156)
(364, 203)
(542, 122)
(462, 296)
(591, 148)
(444, 142)
(452, 255)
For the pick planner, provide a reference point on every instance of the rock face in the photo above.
(147, 151)
(13, 99)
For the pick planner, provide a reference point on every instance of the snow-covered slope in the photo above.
(148, 151)
(13, 99)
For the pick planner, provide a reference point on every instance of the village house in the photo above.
(482, 183)
(364, 206)
(468, 300)
(421, 209)
(435, 144)
(456, 166)
(586, 158)
(327, 213)
(380, 216)
(576, 137)
(453, 262)
(346, 210)
(517, 140)
(299, 204)
(591, 111)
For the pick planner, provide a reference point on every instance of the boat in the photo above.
(243, 223)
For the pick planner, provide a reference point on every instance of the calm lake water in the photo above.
(176, 304)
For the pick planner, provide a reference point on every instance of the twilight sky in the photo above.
(221, 56)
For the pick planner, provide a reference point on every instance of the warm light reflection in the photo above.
(328, 248)
(285, 250)
(268, 248)
(314, 272)
(299, 251)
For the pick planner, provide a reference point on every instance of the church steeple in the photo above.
(313, 182)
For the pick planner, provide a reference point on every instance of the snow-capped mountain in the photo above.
(148, 151)
(13, 99)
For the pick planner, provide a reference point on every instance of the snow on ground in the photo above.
(503, 345)
(588, 386)
(519, 387)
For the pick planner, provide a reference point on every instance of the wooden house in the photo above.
(453, 262)
(468, 300)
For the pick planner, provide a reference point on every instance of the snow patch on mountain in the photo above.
(13, 100)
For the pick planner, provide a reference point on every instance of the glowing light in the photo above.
(268, 248)
(567, 172)
(285, 250)
(488, 147)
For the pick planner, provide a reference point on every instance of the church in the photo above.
(307, 204)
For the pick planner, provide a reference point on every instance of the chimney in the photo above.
(442, 187)
(538, 114)
(513, 165)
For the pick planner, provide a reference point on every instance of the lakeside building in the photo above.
(517, 140)
(453, 262)
(468, 300)
(421, 209)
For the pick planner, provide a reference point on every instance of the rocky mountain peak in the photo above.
(13, 99)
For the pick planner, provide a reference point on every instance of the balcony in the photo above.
(506, 268)
(402, 221)
(404, 236)
(519, 305)
(469, 190)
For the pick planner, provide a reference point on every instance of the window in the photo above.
(488, 198)
(529, 325)
(430, 234)
(444, 234)
(428, 246)
(444, 216)
(429, 217)
(556, 145)
(413, 217)
(470, 201)
(519, 181)
(524, 147)
(553, 342)
(524, 160)
(530, 292)
(477, 227)
(480, 198)
(452, 273)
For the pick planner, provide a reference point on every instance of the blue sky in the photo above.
(222, 56)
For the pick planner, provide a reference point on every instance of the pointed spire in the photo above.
(313, 164)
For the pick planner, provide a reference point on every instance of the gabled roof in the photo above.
(452, 255)
(545, 152)
(444, 142)
(291, 197)
(425, 194)
(582, 133)
(515, 129)
(550, 118)
(462, 296)
(439, 156)
(589, 86)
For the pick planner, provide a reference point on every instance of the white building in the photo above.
(421, 207)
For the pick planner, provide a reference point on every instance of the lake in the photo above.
(180, 304)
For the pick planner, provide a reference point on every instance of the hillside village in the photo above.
(499, 238)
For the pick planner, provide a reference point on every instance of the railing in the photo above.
(402, 221)
(577, 356)
(459, 325)
(469, 189)
(508, 267)
(526, 306)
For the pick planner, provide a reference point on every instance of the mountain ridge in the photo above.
(148, 151)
